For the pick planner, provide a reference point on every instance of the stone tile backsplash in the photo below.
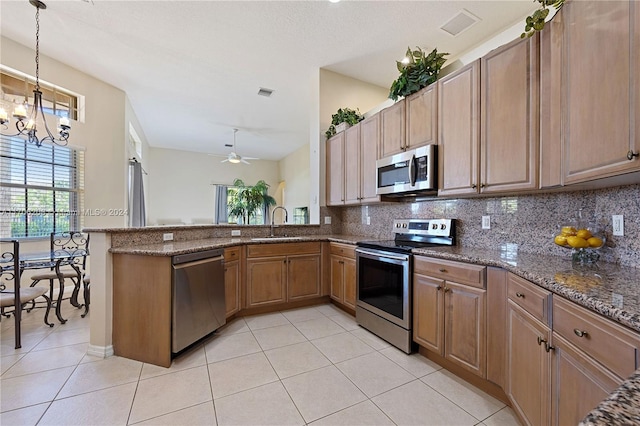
(529, 222)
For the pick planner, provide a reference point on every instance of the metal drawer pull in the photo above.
(442, 270)
(631, 154)
(520, 295)
(580, 333)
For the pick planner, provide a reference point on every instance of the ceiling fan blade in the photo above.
(225, 161)
(242, 160)
(250, 158)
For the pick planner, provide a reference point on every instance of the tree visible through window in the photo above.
(41, 189)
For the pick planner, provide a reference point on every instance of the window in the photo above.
(257, 218)
(41, 189)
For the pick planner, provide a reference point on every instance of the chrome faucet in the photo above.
(286, 217)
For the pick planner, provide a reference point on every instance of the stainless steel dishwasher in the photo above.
(198, 299)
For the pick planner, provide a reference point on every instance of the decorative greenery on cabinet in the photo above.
(343, 115)
(535, 22)
(417, 70)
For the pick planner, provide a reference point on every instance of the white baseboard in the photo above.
(100, 351)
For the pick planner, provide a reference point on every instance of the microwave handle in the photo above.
(412, 170)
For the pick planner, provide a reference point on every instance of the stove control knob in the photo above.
(404, 225)
(443, 226)
(434, 226)
(398, 225)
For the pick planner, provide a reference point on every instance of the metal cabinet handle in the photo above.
(439, 288)
(580, 333)
(631, 154)
(541, 341)
(474, 186)
(482, 185)
(520, 295)
(548, 347)
(447, 289)
(442, 270)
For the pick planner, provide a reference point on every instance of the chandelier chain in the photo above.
(37, 48)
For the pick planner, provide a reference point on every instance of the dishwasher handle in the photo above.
(190, 257)
(198, 262)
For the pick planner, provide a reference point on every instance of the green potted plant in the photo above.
(246, 200)
(342, 120)
(417, 70)
(535, 22)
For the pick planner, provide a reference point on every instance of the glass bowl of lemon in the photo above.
(584, 242)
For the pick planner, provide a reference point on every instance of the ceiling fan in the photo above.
(233, 156)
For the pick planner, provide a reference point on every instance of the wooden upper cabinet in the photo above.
(509, 142)
(369, 142)
(593, 84)
(422, 117)
(392, 140)
(352, 165)
(459, 131)
(335, 170)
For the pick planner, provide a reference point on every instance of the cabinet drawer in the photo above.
(231, 254)
(261, 250)
(463, 273)
(530, 297)
(610, 344)
(344, 250)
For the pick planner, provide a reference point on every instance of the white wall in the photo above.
(295, 181)
(181, 182)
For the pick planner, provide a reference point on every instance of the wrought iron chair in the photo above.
(76, 245)
(11, 294)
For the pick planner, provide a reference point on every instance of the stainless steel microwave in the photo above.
(409, 173)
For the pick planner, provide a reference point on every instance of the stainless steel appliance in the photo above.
(198, 299)
(409, 173)
(383, 275)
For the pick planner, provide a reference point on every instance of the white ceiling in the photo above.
(192, 69)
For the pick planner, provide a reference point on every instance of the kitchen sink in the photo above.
(276, 238)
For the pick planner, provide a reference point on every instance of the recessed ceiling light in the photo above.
(405, 60)
(334, 1)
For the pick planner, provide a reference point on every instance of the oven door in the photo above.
(384, 285)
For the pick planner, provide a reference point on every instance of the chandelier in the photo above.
(26, 123)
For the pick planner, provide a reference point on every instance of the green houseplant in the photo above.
(343, 115)
(535, 22)
(417, 70)
(246, 200)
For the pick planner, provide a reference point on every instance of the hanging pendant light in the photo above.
(26, 121)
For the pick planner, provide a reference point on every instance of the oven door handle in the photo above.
(383, 256)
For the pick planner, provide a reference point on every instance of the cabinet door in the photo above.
(266, 281)
(335, 170)
(528, 366)
(428, 316)
(369, 140)
(393, 129)
(465, 334)
(579, 384)
(422, 113)
(509, 142)
(598, 98)
(337, 278)
(350, 282)
(352, 165)
(232, 287)
(458, 125)
(303, 276)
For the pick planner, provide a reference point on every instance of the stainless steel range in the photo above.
(384, 277)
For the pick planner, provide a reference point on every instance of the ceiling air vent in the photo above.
(265, 92)
(459, 23)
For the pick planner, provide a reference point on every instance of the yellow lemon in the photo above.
(569, 230)
(577, 242)
(595, 242)
(584, 233)
(560, 240)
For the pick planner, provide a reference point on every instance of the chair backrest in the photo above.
(72, 243)
(10, 267)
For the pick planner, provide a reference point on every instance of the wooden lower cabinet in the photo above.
(528, 366)
(232, 287)
(343, 274)
(428, 315)
(266, 281)
(303, 276)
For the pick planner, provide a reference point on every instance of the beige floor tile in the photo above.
(7, 361)
(417, 404)
(374, 373)
(345, 321)
(106, 373)
(104, 407)
(504, 417)
(28, 341)
(362, 414)
(238, 325)
(201, 414)
(370, 339)
(64, 338)
(257, 322)
(342, 347)
(319, 327)
(295, 359)
(27, 416)
(275, 337)
(19, 392)
(49, 359)
(474, 401)
(239, 374)
(329, 309)
(302, 314)
(226, 347)
(194, 357)
(266, 405)
(322, 392)
(415, 363)
(170, 392)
